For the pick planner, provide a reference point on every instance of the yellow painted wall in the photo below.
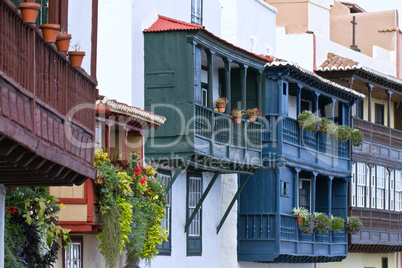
(73, 212)
(68, 191)
(385, 103)
(361, 260)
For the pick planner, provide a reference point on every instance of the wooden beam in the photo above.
(204, 195)
(232, 203)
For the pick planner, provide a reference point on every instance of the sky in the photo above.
(376, 5)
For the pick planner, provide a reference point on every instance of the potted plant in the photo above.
(76, 56)
(308, 224)
(49, 32)
(323, 222)
(63, 41)
(337, 224)
(237, 114)
(300, 213)
(220, 103)
(252, 114)
(353, 225)
(29, 11)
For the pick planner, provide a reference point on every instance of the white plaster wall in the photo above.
(364, 260)
(318, 19)
(80, 28)
(211, 213)
(114, 66)
(243, 20)
(324, 46)
(299, 48)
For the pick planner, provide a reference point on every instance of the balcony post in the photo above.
(316, 98)
(389, 93)
(228, 92)
(243, 71)
(313, 190)
(295, 186)
(107, 138)
(125, 135)
(370, 89)
(260, 90)
(210, 63)
(333, 109)
(329, 183)
(298, 111)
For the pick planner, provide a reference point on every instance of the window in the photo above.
(398, 190)
(204, 94)
(391, 190)
(306, 105)
(384, 262)
(361, 184)
(359, 109)
(367, 186)
(379, 114)
(73, 254)
(194, 192)
(380, 187)
(166, 247)
(196, 11)
(98, 136)
(285, 188)
(353, 186)
(373, 193)
(305, 193)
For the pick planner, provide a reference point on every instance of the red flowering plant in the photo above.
(220, 101)
(132, 205)
(253, 112)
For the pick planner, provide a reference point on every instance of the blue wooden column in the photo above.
(298, 111)
(329, 183)
(333, 109)
(210, 65)
(260, 90)
(316, 98)
(243, 77)
(296, 186)
(228, 92)
(313, 190)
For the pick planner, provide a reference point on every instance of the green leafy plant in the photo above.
(308, 224)
(32, 228)
(337, 224)
(313, 123)
(132, 204)
(220, 101)
(236, 112)
(253, 112)
(323, 222)
(353, 225)
(300, 211)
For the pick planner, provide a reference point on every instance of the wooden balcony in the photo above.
(260, 239)
(299, 145)
(212, 142)
(42, 140)
(382, 231)
(382, 145)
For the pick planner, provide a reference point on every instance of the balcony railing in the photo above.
(300, 143)
(217, 135)
(39, 89)
(259, 231)
(377, 133)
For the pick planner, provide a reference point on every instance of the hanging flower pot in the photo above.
(252, 118)
(29, 11)
(221, 107)
(63, 42)
(49, 32)
(237, 119)
(252, 114)
(237, 115)
(99, 180)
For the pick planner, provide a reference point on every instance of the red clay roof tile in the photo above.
(164, 24)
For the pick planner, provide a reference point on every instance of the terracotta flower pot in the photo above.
(237, 119)
(49, 32)
(76, 58)
(99, 180)
(29, 11)
(221, 107)
(252, 118)
(299, 219)
(63, 42)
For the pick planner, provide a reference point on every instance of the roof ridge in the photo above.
(181, 22)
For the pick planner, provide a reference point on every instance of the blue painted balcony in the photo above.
(300, 145)
(258, 235)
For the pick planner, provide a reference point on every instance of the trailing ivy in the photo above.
(136, 197)
(31, 230)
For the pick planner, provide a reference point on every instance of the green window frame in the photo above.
(194, 232)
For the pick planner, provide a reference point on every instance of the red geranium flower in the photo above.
(137, 171)
(143, 180)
